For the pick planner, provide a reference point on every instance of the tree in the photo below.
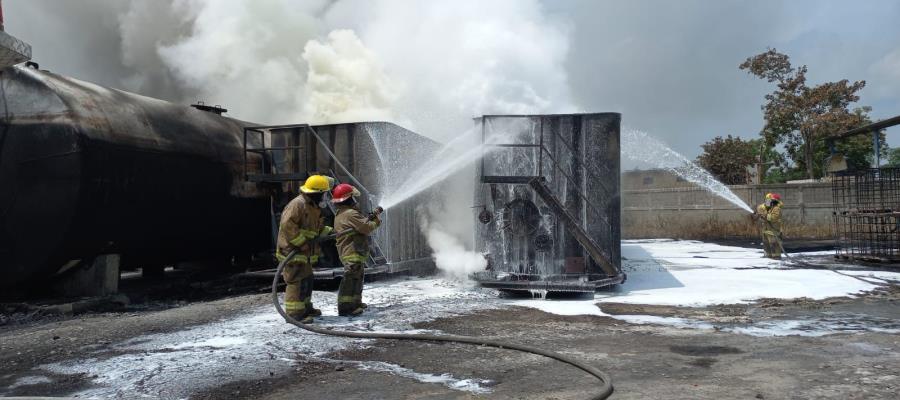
(728, 159)
(774, 167)
(800, 116)
(893, 158)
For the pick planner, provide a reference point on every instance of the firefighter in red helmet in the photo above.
(769, 213)
(353, 229)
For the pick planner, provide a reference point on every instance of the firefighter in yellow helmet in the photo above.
(353, 230)
(302, 226)
(769, 213)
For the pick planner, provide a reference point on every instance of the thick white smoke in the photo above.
(457, 60)
(245, 55)
(430, 66)
(461, 59)
(441, 226)
(345, 82)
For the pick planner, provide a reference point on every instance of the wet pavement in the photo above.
(199, 348)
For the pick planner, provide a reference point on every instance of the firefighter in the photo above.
(353, 229)
(302, 226)
(769, 213)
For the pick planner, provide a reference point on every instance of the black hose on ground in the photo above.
(805, 265)
(603, 392)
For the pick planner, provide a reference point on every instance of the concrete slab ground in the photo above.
(789, 345)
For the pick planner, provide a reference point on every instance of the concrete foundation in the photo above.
(99, 278)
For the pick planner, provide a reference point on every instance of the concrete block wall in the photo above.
(693, 213)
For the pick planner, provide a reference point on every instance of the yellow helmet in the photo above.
(316, 184)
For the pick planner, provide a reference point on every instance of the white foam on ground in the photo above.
(658, 273)
(255, 344)
(675, 322)
(815, 327)
(215, 342)
(698, 274)
(475, 386)
(561, 307)
(885, 276)
(28, 381)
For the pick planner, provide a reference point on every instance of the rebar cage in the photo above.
(867, 214)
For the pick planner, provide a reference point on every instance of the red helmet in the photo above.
(343, 192)
(773, 196)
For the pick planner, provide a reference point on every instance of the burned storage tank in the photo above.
(87, 170)
(372, 156)
(547, 202)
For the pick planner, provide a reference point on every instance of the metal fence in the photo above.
(867, 214)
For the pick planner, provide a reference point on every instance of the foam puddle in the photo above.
(259, 343)
(475, 386)
(29, 381)
(666, 272)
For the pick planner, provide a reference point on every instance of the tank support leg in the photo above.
(100, 278)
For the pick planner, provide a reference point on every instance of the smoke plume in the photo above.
(430, 66)
(345, 82)
(451, 255)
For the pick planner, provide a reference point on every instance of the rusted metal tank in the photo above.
(87, 170)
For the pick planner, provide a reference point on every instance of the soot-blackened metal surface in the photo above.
(526, 242)
(378, 155)
(87, 170)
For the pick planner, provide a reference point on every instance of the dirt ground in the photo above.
(644, 360)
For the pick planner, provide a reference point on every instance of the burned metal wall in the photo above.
(378, 155)
(577, 156)
(867, 214)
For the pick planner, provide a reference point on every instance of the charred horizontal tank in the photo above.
(87, 170)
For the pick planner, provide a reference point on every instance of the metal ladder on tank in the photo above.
(270, 173)
(539, 184)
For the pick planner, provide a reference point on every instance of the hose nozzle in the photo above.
(376, 212)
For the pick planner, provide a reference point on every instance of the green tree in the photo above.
(727, 159)
(773, 166)
(893, 157)
(802, 116)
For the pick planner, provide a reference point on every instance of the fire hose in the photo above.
(806, 265)
(603, 392)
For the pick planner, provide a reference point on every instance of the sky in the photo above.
(670, 67)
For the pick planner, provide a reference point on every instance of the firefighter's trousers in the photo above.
(350, 291)
(772, 243)
(298, 294)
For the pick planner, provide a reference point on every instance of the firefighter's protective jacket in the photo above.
(301, 223)
(353, 228)
(771, 217)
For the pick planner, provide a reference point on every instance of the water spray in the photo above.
(641, 147)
